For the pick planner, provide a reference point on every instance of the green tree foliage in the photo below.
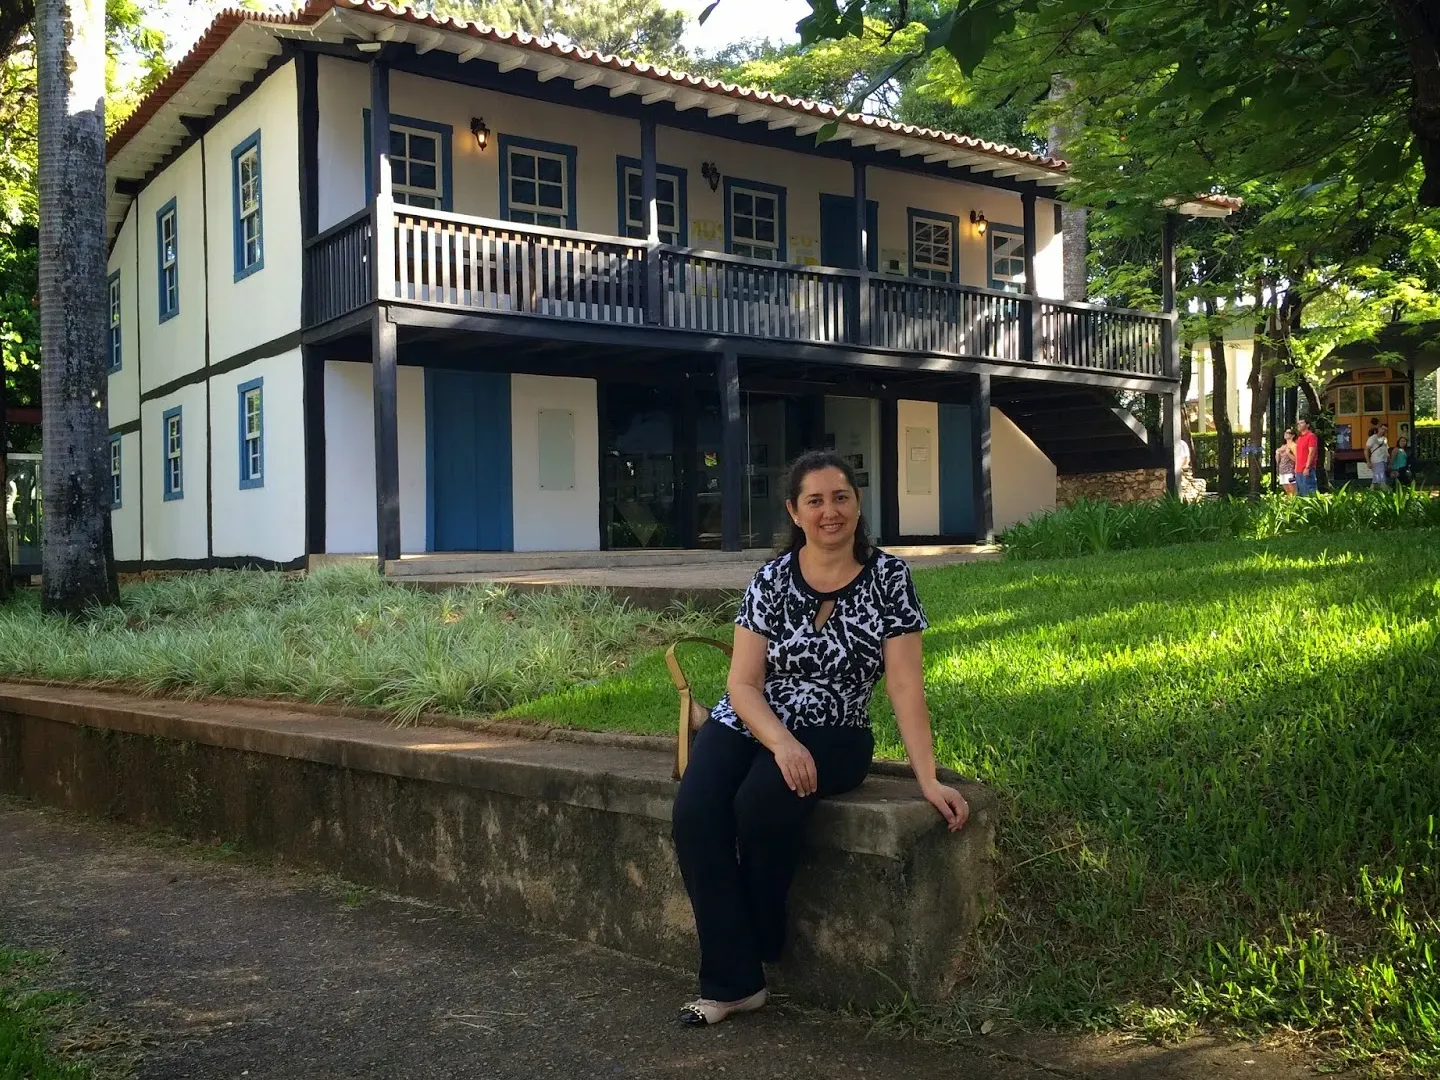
(634, 29)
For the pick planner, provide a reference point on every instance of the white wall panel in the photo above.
(919, 510)
(123, 394)
(350, 458)
(554, 520)
(125, 522)
(175, 528)
(1022, 478)
(175, 347)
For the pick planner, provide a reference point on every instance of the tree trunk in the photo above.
(1220, 410)
(1419, 26)
(78, 566)
(1262, 379)
(1074, 238)
(6, 583)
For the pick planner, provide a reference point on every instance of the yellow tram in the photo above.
(1360, 401)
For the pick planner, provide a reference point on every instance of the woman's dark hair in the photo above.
(814, 461)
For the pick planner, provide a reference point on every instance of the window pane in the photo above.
(423, 147)
(665, 188)
(522, 165)
(1397, 398)
(550, 219)
(522, 192)
(765, 230)
(426, 201)
(667, 214)
(633, 186)
(397, 170)
(550, 195)
(1349, 403)
(744, 203)
(1374, 398)
(397, 143)
(551, 170)
(523, 217)
(423, 176)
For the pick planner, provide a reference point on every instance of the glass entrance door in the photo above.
(641, 475)
(772, 441)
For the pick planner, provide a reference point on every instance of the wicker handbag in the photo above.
(692, 713)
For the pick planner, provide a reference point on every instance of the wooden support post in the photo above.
(1170, 404)
(387, 436)
(312, 394)
(382, 194)
(889, 474)
(1032, 333)
(863, 241)
(652, 221)
(732, 449)
(980, 460)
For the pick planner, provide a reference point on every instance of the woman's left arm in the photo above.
(905, 684)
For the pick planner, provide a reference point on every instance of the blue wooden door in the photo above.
(467, 457)
(957, 478)
(837, 232)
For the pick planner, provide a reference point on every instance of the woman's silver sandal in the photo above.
(705, 1011)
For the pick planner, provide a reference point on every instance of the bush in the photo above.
(1088, 527)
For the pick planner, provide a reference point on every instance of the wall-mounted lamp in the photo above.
(711, 172)
(480, 131)
(977, 218)
(369, 46)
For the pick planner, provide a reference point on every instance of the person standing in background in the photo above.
(1400, 461)
(1285, 463)
(1377, 453)
(1307, 459)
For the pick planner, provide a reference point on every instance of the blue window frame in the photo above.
(754, 219)
(537, 182)
(115, 483)
(934, 245)
(249, 227)
(252, 434)
(172, 455)
(167, 258)
(115, 310)
(1005, 258)
(670, 201)
(421, 162)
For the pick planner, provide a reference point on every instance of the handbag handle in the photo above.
(692, 713)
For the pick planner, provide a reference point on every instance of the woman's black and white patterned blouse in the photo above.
(825, 677)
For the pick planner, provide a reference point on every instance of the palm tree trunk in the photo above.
(78, 565)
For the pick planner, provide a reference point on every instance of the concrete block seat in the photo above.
(566, 833)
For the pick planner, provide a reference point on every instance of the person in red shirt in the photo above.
(1307, 457)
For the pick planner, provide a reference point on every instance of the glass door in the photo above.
(640, 507)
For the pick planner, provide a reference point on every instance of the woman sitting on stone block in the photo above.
(817, 628)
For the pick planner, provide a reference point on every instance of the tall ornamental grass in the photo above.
(339, 635)
(1091, 527)
(1220, 769)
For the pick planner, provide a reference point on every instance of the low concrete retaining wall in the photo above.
(567, 837)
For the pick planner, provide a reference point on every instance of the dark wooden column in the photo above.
(862, 257)
(1032, 336)
(889, 472)
(732, 449)
(312, 360)
(652, 220)
(980, 460)
(1170, 404)
(382, 330)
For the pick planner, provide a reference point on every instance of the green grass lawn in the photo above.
(28, 1020)
(1222, 769)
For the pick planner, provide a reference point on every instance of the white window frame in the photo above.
(535, 211)
(1010, 280)
(931, 270)
(170, 262)
(639, 228)
(750, 247)
(116, 489)
(406, 193)
(252, 435)
(174, 457)
(249, 231)
(115, 312)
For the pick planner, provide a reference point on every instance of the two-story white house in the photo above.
(382, 282)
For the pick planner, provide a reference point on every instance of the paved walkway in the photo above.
(223, 968)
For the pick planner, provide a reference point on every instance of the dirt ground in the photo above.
(197, 963)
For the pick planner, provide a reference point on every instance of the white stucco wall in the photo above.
(344, 92)
(350, 458)
(264, 304)
(919, 512)
(560, 520)
(125, 522)
(1022, 478)
(266, 522)
(175, 347)
(123, 394)
(175, 528)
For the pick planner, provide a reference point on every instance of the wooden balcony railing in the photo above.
(477, 264)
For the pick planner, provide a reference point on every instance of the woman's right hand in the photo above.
(796, 766)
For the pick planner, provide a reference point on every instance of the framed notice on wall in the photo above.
(557, 450)
(917, 460)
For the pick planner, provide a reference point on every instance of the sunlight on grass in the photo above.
(1218, 765)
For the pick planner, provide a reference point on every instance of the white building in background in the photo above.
(565, 301)
(1200, 400)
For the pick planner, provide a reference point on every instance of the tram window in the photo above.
(1349, 401)
(1374, 398)
(1397, 397)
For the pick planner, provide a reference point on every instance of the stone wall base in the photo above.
(1121, 486)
